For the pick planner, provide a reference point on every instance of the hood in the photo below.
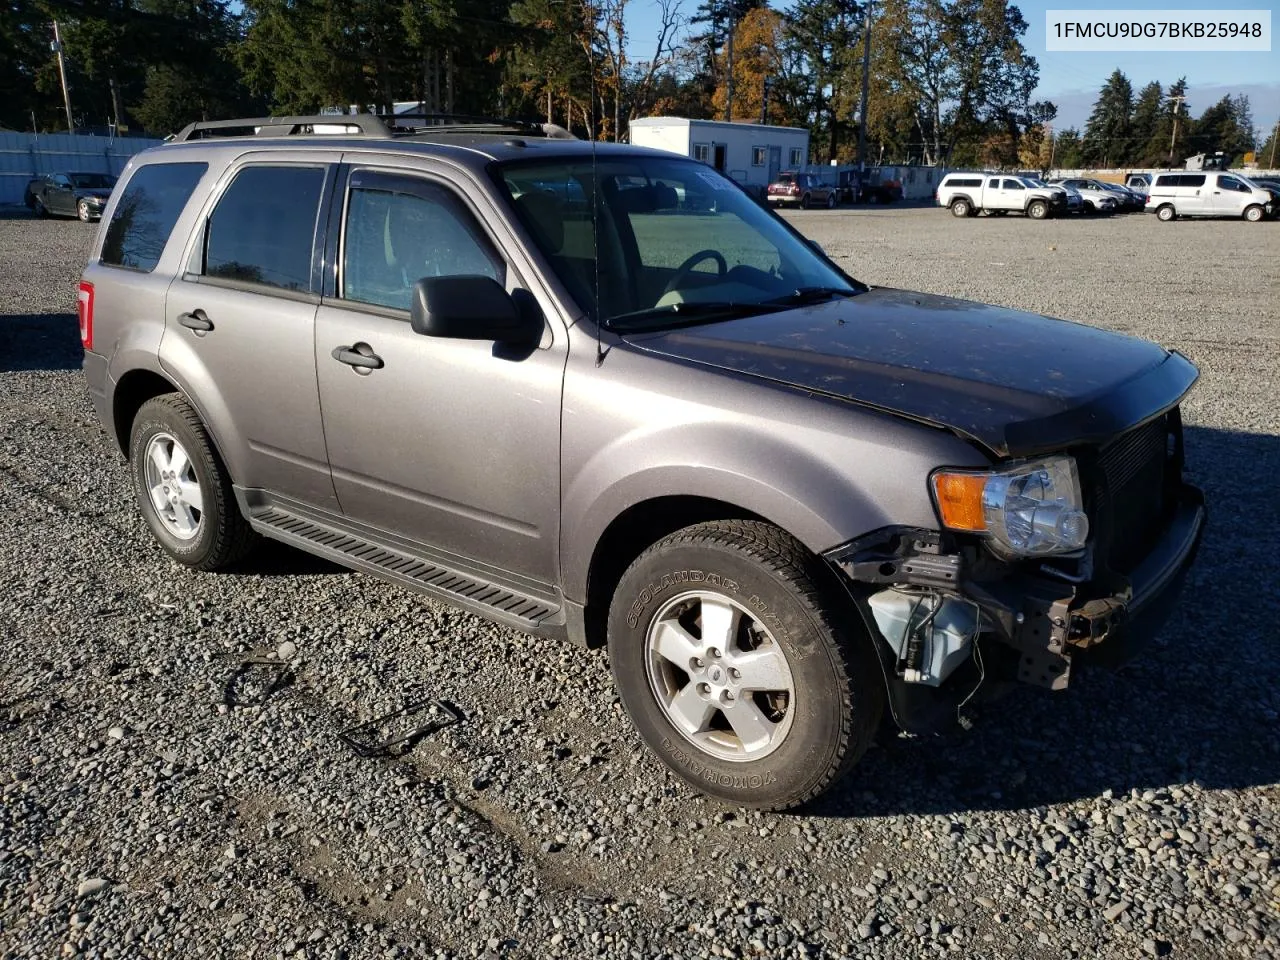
(1017, 383)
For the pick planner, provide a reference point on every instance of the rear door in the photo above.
(448, 443)
(1191, 195)
(240, 321)
(993, 196)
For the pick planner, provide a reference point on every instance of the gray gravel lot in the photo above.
(1136, 814)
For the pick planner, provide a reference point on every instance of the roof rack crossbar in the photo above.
(364, 124)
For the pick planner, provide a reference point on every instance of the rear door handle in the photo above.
(358, 355)
(196, 320)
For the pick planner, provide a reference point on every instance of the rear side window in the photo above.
(263, 230)
(1166, 180)
(144, 217)
(1192, 180)
(964, 182)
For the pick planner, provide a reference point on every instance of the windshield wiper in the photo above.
(690, 312)
(805, 295)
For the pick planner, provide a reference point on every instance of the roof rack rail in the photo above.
(360, 124)
(419, 122)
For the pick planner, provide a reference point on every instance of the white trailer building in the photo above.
(750, 153)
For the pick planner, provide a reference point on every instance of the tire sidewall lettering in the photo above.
(701, 771)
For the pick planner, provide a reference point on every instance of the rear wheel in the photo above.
(183, 489)
(1037, 210)
(806, 201)
(39, 208)
(1253, 214)
(960, 208)
(831, 201)
(1167, 213)
(738, 667)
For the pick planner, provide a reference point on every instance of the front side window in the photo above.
(401, 229)
(1013, 185)
(92, 181)
(759, 156)
(146, 213)
(660, 235)
(263, 229)
(1231, 183)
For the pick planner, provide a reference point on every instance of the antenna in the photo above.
(589, 11)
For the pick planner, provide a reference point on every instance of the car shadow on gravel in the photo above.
(271, 558)
(1199, 705)
(39, 341)
(16, 212)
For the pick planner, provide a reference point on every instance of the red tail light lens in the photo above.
(84, 308)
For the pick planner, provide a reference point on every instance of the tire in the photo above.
(39, 208)
(219, 535)
(831, 201)
(1037, 210)
(806, 202)
(1167, 213)
(823, 695)
(961, 208)
(1253, 213)
(82, 211)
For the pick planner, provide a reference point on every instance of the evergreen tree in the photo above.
(1068, 152)
(1147, 113)
(1106, 135)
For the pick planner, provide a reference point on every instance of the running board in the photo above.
(487, 599)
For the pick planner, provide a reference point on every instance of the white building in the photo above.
(748, 152)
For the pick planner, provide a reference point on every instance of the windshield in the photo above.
(90, 181)
(640, 239)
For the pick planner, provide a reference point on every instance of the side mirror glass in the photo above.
(470, 308)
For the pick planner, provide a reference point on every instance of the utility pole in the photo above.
(764, 105)
(866, 86)
(1275, 135)
(62, 71)
(728, 98)
(1177, 108)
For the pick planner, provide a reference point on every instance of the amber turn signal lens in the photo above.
(959, 497)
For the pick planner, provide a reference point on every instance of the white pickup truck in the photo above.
(966, 194)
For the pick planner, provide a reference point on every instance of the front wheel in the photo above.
(1253, 214)
(40, 209)
(806, 201)
(1037, 210)
(739, 668)
(831, 201)
(183, 489)
(83, 212)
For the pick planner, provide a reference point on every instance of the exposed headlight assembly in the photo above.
(1030, 509)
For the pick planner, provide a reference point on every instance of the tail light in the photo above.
(84, 309)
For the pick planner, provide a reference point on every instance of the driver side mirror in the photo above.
(470, 308)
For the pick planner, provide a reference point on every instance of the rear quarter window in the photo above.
(152, 201)
(963, 182)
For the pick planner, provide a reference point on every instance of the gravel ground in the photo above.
(142, 816)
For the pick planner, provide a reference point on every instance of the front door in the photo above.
(1228, 195)
(62, 198)
(452, 444)
(239, 325)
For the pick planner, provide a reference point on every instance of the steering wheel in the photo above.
(686, 268)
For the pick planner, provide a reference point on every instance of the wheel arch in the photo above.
(135, 388)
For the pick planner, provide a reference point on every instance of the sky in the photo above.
(1071, 80)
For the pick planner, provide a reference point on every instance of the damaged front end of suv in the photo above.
(1047, 556)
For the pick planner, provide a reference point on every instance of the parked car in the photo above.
(1095, 199)
(785, 500)
(1138, 181)
(1074, 203)
(1208, 194)
(802, 189)
(1127, 200)
(81, 195)
(966, 194)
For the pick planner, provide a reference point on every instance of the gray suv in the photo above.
(596, 393)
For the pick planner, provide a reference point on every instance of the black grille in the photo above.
(1130, 492)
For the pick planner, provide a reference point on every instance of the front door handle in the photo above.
(359, 355)
(196, 320)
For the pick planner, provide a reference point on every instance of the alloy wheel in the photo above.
(173, 486)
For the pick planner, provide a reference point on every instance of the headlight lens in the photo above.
(1030, 509)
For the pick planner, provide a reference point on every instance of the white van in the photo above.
(1207, 194)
